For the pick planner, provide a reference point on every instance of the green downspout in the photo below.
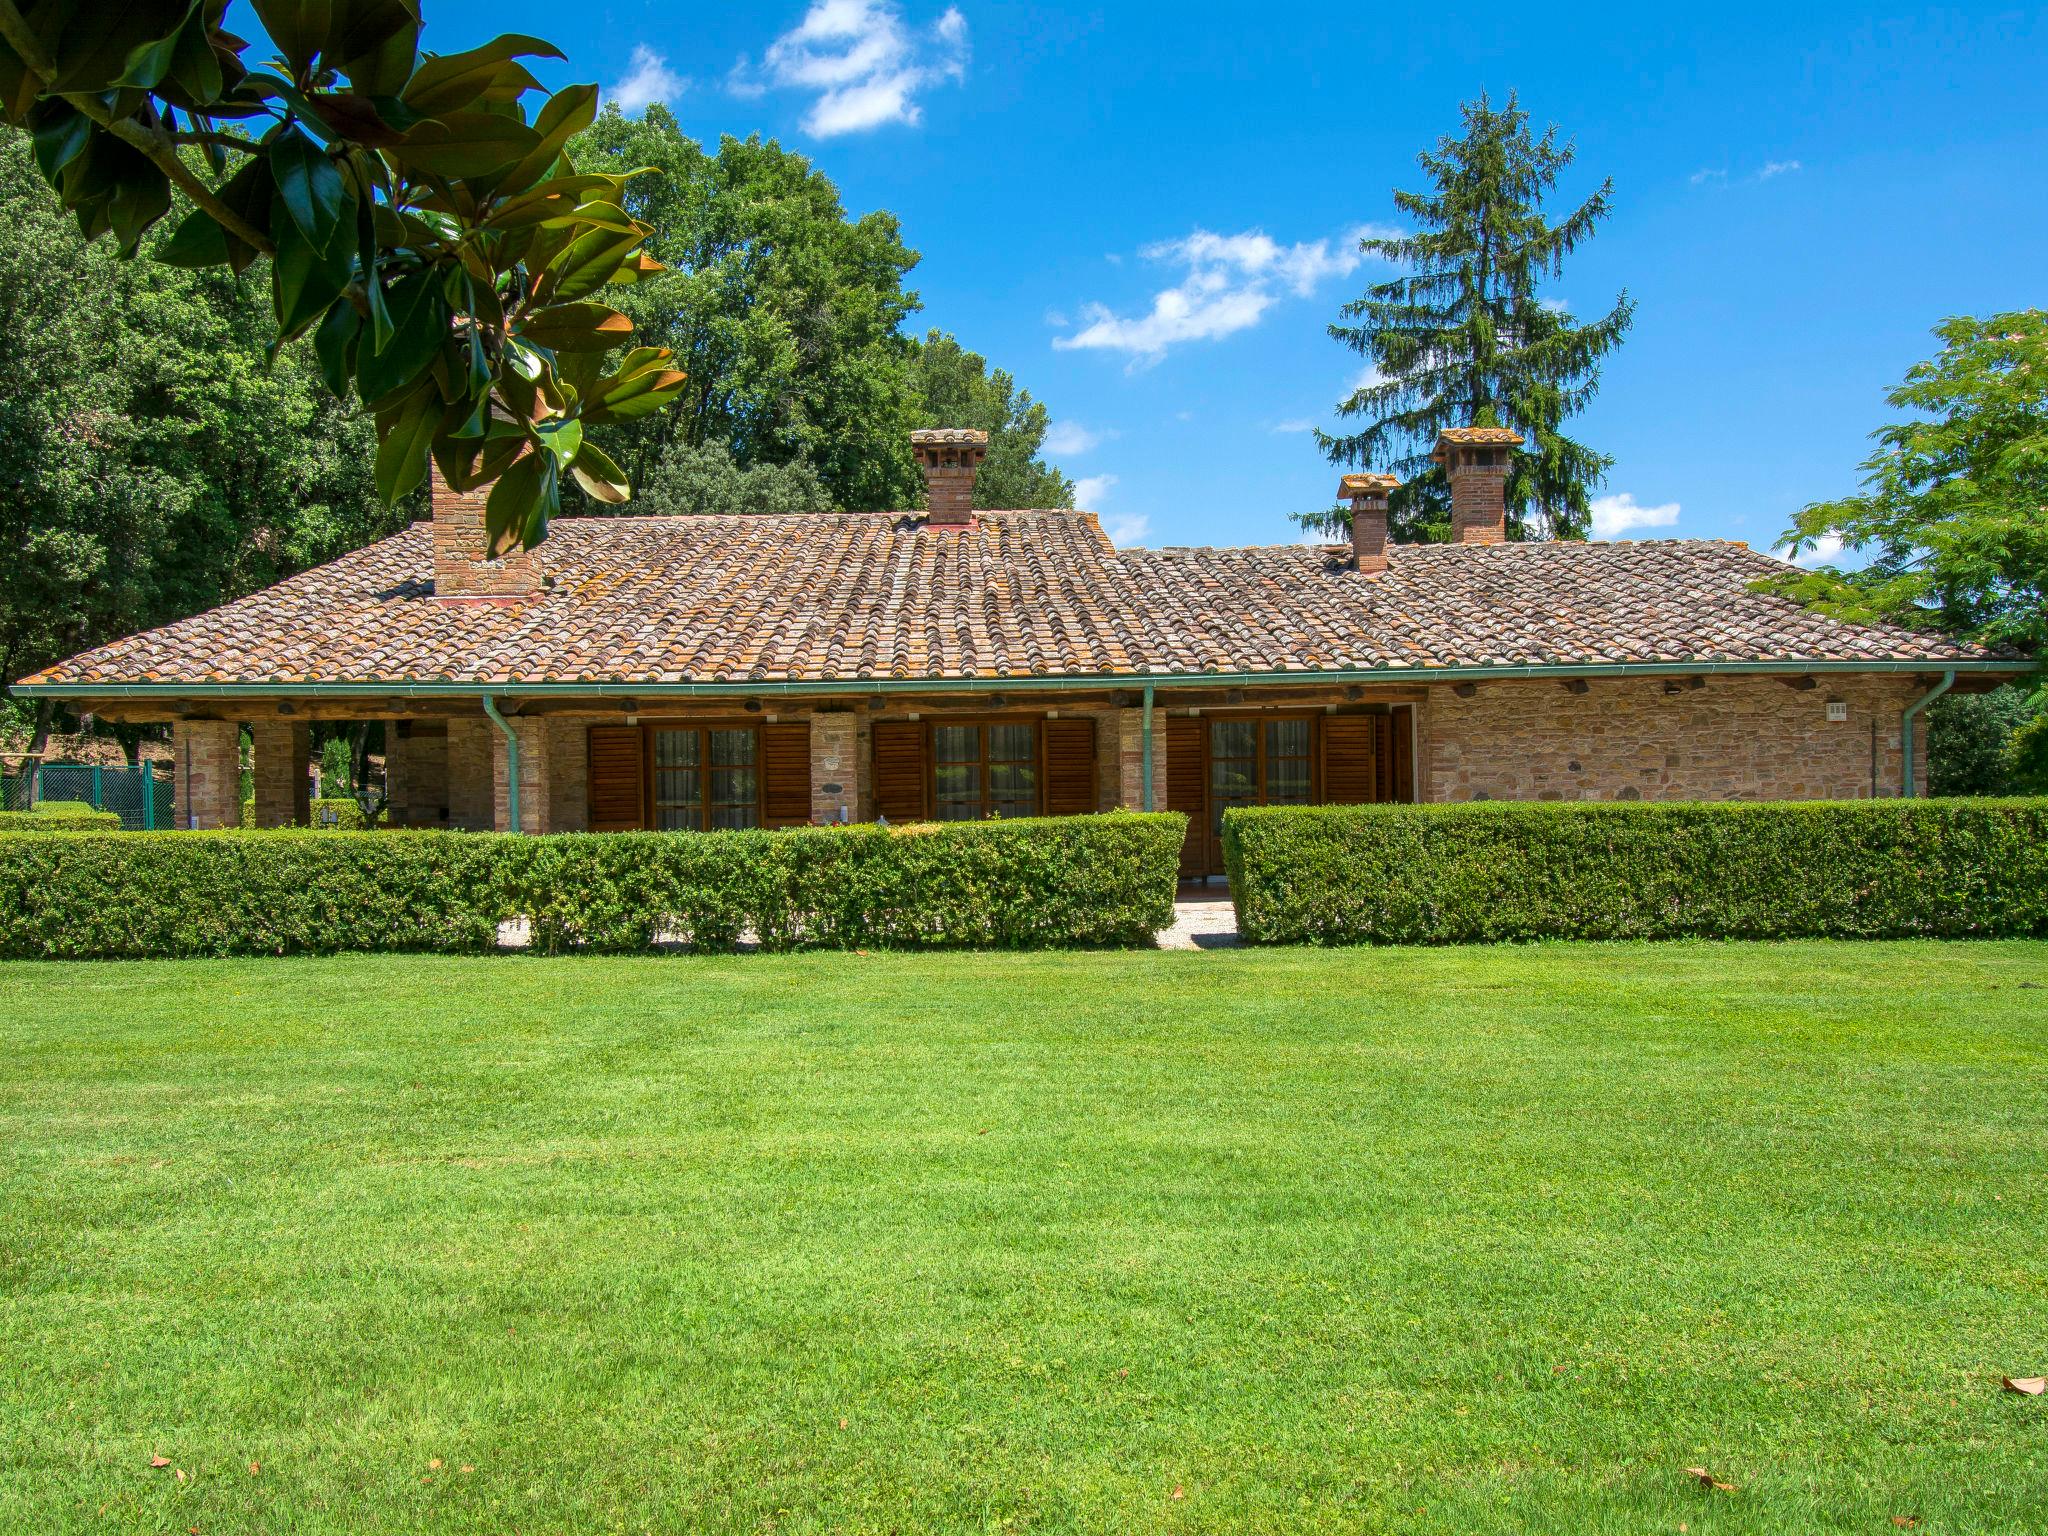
(1948, 681)
(511, 763)
(1147, 735)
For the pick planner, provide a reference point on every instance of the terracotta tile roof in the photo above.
(854, 596)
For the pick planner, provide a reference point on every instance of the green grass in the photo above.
(1365, 1241)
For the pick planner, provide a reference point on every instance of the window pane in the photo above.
(956, 743)
(960, 810)
(734, 818)
(675, 749)
(1286, 738)
(1234, 780)
(732, 746)
(957, 781)
(732, 786)
(1233, 738)
(1013, 781)
(1013, 743)
(1287, 781)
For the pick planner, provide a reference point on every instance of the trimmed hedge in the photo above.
(1456, 874)
(44, 819)
(1027, 884)
(328, 813)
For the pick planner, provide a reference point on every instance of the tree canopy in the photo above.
(1953, 514)
(194, 469)
(436, 241)
(788, 317)
(955, 388)
(1464, 336)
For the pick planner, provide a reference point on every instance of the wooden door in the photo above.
(1187, 770)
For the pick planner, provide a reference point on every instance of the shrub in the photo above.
(1498, 870)
(325, 813)
(1024, 884)
(46, 817)
(1098, 880)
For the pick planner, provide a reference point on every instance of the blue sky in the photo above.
(1146, 212)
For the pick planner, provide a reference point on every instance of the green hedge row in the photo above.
(1501, 871)
(44, 819)
(1085, 880)
(328, 813)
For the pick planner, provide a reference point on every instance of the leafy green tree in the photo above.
(1954, 510)
(1462, 336)
(158, 459)
(438, 244)
(956, 389)
(1969, 737)
(705, 478)
(785, 314)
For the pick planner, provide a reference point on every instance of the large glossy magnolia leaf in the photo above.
(423, 226)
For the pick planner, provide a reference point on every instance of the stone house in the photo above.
(683, 673)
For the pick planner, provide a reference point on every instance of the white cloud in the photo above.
(648, 80)
(1770, 168)
(1090, 490)
(1614, 516)
(1296, 424)
(1128, 530)
(1069, 437)
(1228, 284)
(864, 64)
(1826, 550)
(1369, 377)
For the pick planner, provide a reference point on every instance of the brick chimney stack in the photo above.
(949, 457)
(1368, 497)
(1476, 459)
(461, 544)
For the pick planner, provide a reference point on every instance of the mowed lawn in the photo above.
(1359, 1241)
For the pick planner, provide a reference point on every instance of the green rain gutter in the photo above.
(1145, 733)
(1948, 681)
(1381, 677)
(511, 763)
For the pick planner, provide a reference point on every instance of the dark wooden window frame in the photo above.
(982, 724)
(650, 729)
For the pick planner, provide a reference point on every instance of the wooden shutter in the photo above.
(617, 784)
(1351, 758)
(1186, 774)
(1069, 767)
(1401, 754)
(786, 774)
(900, 775)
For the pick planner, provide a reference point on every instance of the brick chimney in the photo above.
(949, 457)
(1368, 497)
(1476, 459)
(460, 546)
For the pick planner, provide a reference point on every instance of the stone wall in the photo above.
(836, 767)
(416, 773)
(469, 759)
(280, 756)
(1729, 738)
(208, 769)
(568, 748)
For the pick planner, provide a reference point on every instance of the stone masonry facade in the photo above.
(1696, 738)
(1730, 738)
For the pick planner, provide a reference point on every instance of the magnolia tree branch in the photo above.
(159, 147)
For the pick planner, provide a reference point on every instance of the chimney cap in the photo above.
(934, 436)
(1353, 486)
(1475, 437)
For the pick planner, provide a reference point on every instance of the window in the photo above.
(980, 771)
(707, 778)
(1257, 762)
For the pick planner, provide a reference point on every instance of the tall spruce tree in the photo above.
(1463, 337)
